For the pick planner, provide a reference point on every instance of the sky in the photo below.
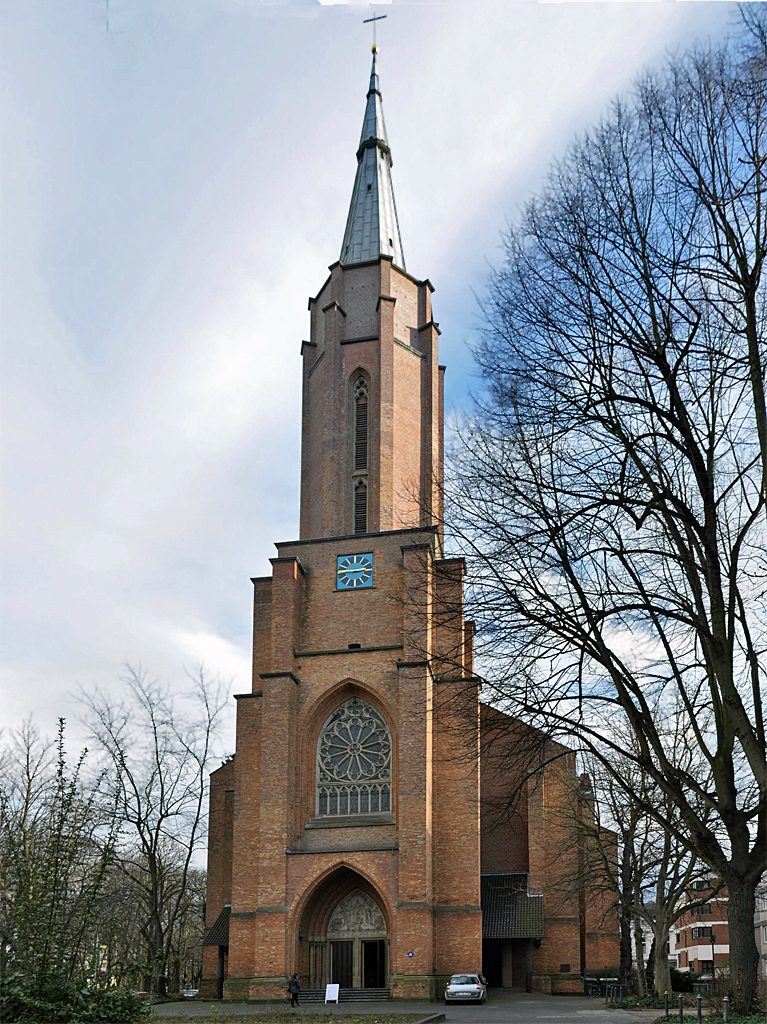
(175, 182)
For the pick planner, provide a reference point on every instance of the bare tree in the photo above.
(159, 756)
(662, 867)
(610, 493)
(119, 923)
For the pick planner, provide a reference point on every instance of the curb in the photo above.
(431, 1019)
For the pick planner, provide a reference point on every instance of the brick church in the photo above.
(353, 838)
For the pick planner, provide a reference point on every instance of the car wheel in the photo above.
(447, 1002)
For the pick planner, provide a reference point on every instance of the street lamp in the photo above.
(713, 941)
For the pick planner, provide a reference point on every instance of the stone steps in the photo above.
(345, 995)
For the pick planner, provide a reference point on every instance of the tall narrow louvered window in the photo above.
(360, 507)
(360, 423)
(360, 395)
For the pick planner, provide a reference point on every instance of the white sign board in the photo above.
(331, 993)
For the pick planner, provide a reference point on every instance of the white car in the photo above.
(466, 988)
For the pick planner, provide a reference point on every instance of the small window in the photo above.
(564, 968)
(701, 933)
(704, 910)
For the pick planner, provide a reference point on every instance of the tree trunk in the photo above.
(744, 956)
(649, 971)
(161, 981)
(176, 986)
(156, 959)
(662, 974)
(641, 976)
(626, 957)
(627, 885)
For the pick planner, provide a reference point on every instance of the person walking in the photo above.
(294, 987)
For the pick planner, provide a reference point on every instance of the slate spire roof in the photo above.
(372, 228)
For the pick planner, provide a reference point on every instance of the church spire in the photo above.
(372, 228)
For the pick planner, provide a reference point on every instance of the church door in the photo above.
(374, 963)
(316, 965)
(342, 956)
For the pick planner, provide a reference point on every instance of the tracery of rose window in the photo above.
(354, 761)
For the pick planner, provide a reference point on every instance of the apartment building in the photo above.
(760, 931)
(700, 938)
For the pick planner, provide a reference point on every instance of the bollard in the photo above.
(726, 1014)
(681, 1010)
(700, 1008)
(665, 1002)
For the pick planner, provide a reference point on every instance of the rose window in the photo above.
(354, 761)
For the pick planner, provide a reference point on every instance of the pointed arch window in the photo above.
(360, 423)
(361, 507)
(360, 454)
(354, 762)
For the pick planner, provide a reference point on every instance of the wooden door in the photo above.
(374, 963)
(316, 965)
(342, 963)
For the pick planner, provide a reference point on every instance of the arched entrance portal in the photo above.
(346, 932)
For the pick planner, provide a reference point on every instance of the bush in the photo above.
(636, 1002)
(734, 1018)
(63, 1000)
(681, 981)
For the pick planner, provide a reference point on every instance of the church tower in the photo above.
(372, 386)
(344, 835)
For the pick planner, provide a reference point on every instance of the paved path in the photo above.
(506, 1008)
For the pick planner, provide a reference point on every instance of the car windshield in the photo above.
(464, 979)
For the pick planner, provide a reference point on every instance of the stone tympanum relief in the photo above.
(357, 914)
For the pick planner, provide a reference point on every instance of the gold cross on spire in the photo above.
(374, 19)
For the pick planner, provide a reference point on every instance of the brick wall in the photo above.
(374, 318)
(403, 646)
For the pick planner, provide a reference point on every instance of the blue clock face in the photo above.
(354, 571)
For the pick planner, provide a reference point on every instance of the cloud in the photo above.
(174, 189)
